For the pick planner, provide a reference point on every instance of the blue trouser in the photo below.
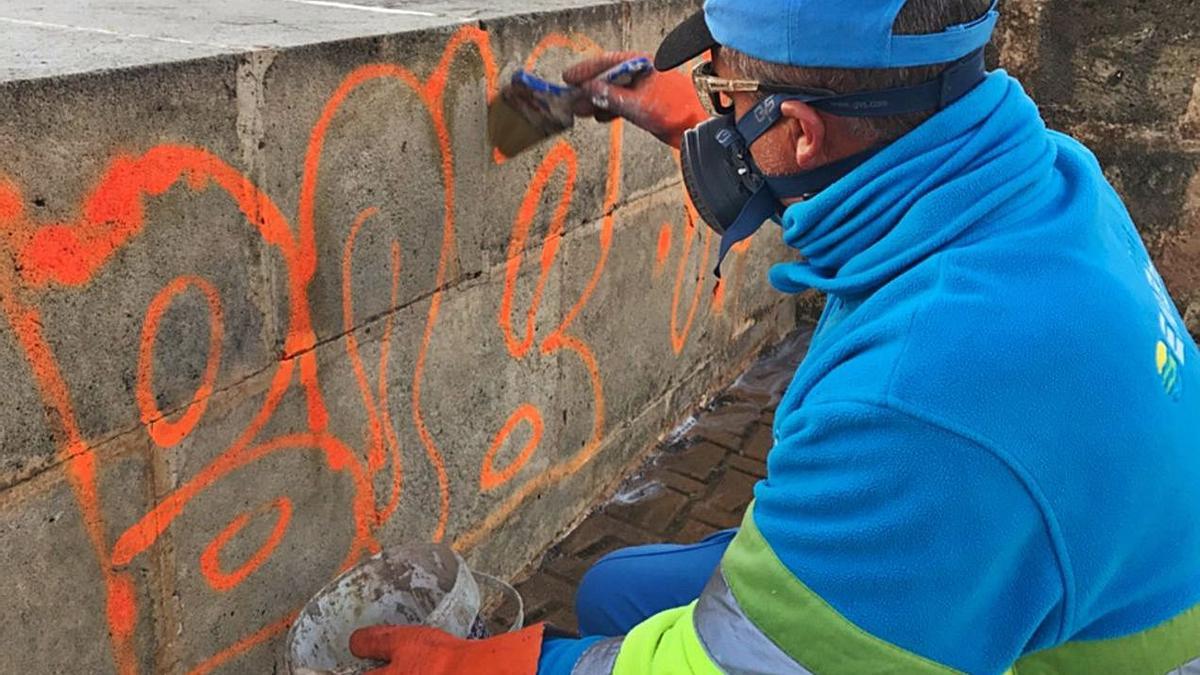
(630, 585)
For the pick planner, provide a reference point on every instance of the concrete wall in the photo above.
(263, 314)
(1123, 76)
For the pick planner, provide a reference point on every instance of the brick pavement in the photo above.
(698, 482)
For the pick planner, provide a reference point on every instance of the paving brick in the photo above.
(748, 465)
(735, 417)
(564, 618)
(719, 437)
(543, 593)
(762, 399)
(697, 461)
(536, 616)
(733, 492)
(596, 530)
(759, 443)
(654, 514)
(677, 482)
(568, 568)
(693, 531)
(500, 618)
(719, 519)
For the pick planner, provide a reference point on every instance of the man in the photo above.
(989, 459)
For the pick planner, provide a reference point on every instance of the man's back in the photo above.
(994, 434)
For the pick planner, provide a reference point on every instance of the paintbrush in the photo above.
(530, 109)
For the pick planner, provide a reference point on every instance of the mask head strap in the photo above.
(954, 83)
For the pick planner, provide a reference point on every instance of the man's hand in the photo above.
(665, 104)
(421, 649)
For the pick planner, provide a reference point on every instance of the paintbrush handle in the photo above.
(626, 73)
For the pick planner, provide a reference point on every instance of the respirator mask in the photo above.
(734, 197)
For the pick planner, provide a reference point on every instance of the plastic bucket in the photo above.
(406, 585)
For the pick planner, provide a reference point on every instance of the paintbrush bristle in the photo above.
(510, 131)
(519, 118)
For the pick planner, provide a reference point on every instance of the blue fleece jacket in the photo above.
(993, 445)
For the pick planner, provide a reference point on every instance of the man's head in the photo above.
(815, 89)
(807, 137)
(819, 137)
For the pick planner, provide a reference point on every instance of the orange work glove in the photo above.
(430, 651)
(665, 104)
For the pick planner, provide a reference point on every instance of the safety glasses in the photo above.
(714, 91)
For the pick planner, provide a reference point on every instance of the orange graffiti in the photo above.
(576, 42)
(718, 301)
(245, 644)
(210, 561)
(489, 477)
(63, 256)
(379, 424)
(122, 606)
(558, 340)
(164, 432)
(679, 333)
(561, 153)
(664, 248)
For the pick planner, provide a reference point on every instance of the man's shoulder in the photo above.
(1039, 331)
(1059, 343)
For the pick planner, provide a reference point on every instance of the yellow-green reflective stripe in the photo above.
(1166, 647)
(665, 643)
(796, 619)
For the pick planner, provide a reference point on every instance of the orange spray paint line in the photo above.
(166, 433)
(560, 154)
(490, 477)
(210, 562)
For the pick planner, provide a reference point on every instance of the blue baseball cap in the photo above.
(819, 34)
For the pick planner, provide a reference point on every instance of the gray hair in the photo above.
(917, 17)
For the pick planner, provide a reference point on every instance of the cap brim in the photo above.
(689, 40)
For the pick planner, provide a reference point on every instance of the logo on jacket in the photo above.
(1168, 370)
(1168, 351)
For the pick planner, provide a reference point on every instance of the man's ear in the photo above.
(808, 130)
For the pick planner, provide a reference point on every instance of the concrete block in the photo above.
(252, 547)
(1178, 257)
(376, 183)
(505, 408)
(162, 249)
(628, 316)
(373, 417)
(1018, 38)
(57, 609)
(648, 163)
(1189, 125)
(27, 442)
